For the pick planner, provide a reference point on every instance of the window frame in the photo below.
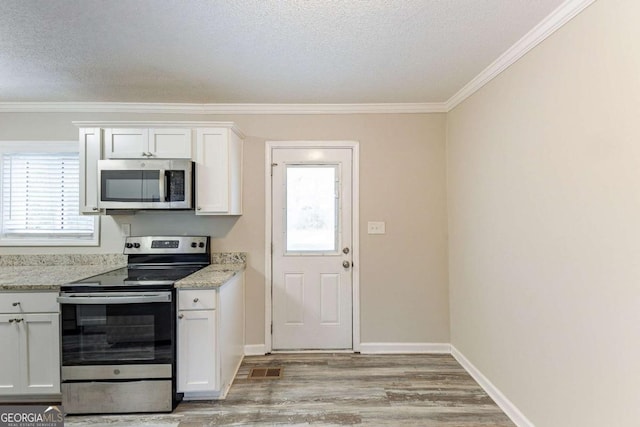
(43, 147)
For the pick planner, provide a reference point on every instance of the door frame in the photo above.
(354, 146)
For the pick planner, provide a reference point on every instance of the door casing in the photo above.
(355, 246)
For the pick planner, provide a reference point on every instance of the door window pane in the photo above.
(311, 210)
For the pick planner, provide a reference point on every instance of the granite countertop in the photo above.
(49, 272)
(212, 276)
(46, 277)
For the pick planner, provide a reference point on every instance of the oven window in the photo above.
(117, 333)
(130, 186)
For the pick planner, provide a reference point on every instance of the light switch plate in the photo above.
(376, 227)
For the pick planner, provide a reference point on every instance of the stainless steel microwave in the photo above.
(145, 184)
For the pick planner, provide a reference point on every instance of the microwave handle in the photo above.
(163, 185)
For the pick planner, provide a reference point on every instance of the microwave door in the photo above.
(138, 189)
(146, 184)
(152, 188)
(121, 186)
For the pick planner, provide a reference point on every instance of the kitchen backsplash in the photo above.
(228, 257)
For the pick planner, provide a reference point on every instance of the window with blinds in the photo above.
(40, 198)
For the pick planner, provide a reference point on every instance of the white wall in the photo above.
(404, 296)
(544, 223)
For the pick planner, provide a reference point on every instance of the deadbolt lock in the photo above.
(345, 251)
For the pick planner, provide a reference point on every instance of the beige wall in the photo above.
(544, 224)
(404, 296)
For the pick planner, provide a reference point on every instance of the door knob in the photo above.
(346, 264)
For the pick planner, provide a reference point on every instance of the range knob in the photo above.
(128, 245)
(136, 245)
(201, 244)
(194, 244)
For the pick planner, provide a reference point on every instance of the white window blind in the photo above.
(40, 197)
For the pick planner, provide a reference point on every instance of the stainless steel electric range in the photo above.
(119, 329)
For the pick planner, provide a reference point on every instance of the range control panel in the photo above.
(166, 245)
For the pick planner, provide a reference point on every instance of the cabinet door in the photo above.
(126, 143)
(212, 171)
(197, 351)
(10, 355)
(40, 336)
(170, 143)
(90, 153)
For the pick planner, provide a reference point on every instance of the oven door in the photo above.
(116, 328)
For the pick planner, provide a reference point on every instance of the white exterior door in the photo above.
(312, 248)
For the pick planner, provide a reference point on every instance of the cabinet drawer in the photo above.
(197, 299)
(29, 302)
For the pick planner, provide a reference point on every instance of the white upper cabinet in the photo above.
(218, 172)
(217, 151)
(140, 143)
(90, 153)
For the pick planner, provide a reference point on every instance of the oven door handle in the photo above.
(120, 298)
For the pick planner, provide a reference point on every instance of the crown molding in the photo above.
(563, 14)
(186, 108)
(158, 124)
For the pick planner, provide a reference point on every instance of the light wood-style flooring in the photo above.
(336, 389)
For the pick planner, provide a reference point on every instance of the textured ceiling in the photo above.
(254, 51)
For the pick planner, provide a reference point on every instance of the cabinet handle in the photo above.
(196, 299)
(18, 320)
(199, 208)
(180, 316)
(12, 320)
(15, 304)
(94, 208)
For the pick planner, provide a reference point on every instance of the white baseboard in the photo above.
(255, 350)
(501, 400)
(403, 348)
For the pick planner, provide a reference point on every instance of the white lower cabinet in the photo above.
(30, 358)
(210, 339)
(197, 350)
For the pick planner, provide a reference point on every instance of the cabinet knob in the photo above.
(196, 299)
(180, 316)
